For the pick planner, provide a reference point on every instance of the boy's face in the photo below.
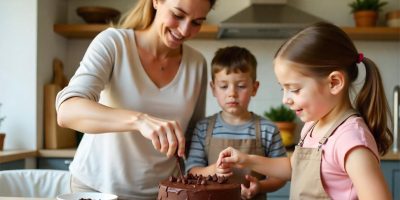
(234, 91)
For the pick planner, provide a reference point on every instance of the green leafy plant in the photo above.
(1, 118)
(280, 114)
(375, 5)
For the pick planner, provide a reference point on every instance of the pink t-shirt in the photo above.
(352, 133)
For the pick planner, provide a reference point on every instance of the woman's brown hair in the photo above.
(323, 48)
(142, 15)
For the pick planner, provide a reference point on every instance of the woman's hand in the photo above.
(252, 190)
(232, 157)
(165, 135)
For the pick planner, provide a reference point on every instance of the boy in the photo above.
(233, 84)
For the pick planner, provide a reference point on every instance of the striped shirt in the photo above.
(270, 138)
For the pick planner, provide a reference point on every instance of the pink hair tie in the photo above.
(360, 57)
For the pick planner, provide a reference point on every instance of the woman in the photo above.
(137, 90)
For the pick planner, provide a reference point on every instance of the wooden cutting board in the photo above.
(56, 137)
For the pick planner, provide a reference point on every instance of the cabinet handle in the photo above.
(67, 162)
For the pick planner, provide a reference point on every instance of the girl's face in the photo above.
(308, 97)
(234, 91)
(179, 20)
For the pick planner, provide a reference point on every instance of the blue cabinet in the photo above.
(281, 194)
(391, 171)
(54, 163)
(18, 164)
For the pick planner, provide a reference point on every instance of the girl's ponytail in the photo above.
(371, 103)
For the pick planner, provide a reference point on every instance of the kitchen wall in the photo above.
(28, 46)
(18, 72)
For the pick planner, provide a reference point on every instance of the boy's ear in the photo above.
(256, 84)
(212, 86)
(336, 82)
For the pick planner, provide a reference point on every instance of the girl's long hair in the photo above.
(323, 48)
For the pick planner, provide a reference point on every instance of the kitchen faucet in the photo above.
(396, 118)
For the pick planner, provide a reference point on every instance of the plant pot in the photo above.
(365, 18)
(287, 132)
(2, 137)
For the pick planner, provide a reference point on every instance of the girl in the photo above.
(338, 153)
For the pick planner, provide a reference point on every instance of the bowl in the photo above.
(98, 14)
(87, 195)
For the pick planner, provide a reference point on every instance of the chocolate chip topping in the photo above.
(198, 179)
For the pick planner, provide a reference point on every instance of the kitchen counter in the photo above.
(13, 155)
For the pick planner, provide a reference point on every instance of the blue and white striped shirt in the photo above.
(270, 138)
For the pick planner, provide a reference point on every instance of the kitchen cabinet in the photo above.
(17, 164)
(54, 163)
(391, 171)
(209, 31)
(15, 159)
(55, 159)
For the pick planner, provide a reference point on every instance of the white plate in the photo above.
(86, 195)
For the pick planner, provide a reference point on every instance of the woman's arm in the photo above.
(365, 173)
(91, 117)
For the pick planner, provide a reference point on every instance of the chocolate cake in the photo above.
(193, 187)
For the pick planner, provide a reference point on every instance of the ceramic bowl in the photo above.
(97, 14)
(87, 195)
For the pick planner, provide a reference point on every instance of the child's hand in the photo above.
(252, 190)
(232, 157)
(223, 169)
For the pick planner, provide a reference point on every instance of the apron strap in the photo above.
(210, 128)
(257, 125)
(333, 128)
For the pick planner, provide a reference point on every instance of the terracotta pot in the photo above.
(2, 137)
(365, 18)
(287, 132)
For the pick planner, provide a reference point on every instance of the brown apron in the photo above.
(306, 166)
(250, 146)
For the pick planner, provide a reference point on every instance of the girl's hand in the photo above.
(165, 135)
(252, 190)
(232, 157)
(223, 169)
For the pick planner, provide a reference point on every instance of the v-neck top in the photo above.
(111, 73)
(352, 133)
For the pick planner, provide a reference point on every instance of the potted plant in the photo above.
(366, 11)
(284, 118)
(2, 135)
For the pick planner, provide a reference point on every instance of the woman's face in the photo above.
(179, 20)
(309, 98)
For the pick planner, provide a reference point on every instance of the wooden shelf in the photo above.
(89, 31)
(373, 33)
(209, 31)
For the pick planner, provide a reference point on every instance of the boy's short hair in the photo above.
(234, 59)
